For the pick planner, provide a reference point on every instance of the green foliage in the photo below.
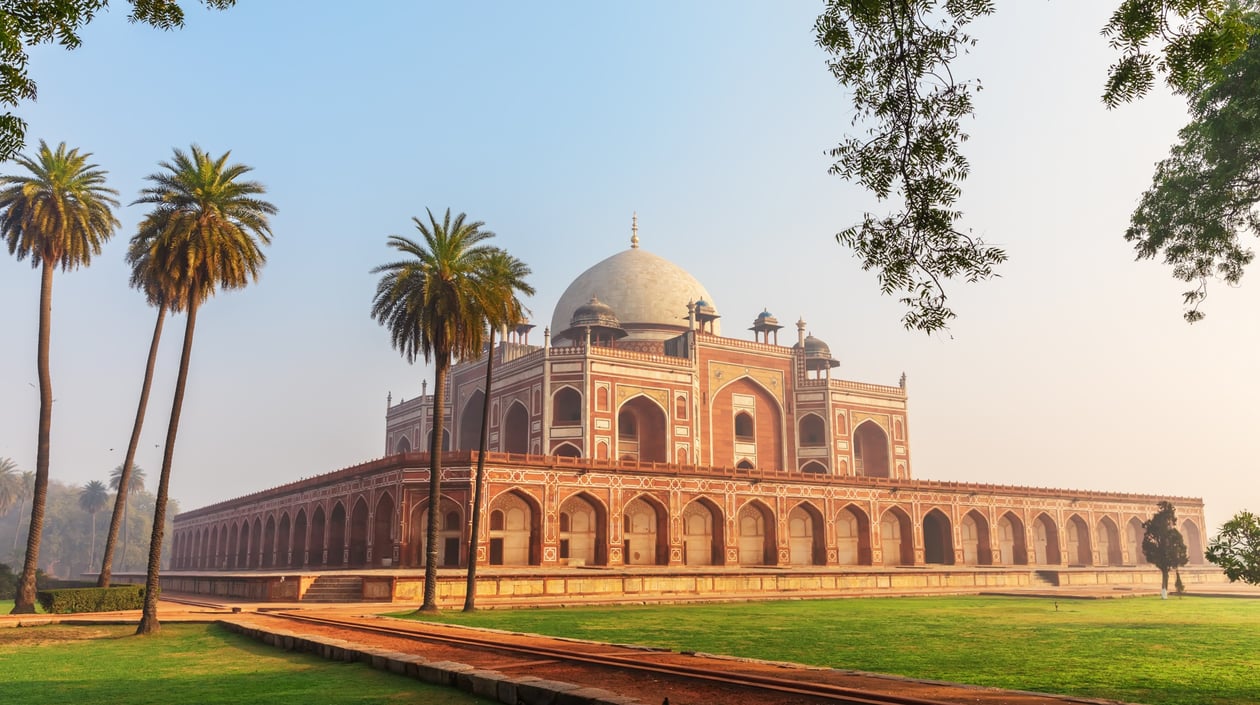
(10, 484)
(1185, 652)
(92, 599)
(1204, 196)
(894, 56)
(1237, 548)
(8, 582)
(26, 23)
(189, 663)
(1162, 543)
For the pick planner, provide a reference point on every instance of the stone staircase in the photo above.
(335, 588)
(1044, 578)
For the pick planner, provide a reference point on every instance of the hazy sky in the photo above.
(553, 122)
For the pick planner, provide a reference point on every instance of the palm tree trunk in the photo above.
(24, 602)
(124, 480)
(470, 589)
(149, 618)
(435, 481)
(92, 554)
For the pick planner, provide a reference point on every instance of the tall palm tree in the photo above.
(59, 215)
(10, 485)
(434, 305)
(133, 480)
(151, 279)
(504, 309)
(92, 499)
(205, 233)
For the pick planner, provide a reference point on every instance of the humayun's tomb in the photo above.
(638, 451)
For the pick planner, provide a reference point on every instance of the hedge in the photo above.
(110, 599)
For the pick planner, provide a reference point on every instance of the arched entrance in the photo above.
(1011, 542)
(382, 531)
(702, 534)
(805, 536)
(975, 539)
(1109, 548)
(756, 535)
(514, 436)
(223, 549)
(337, 536)
(812, 431)
(283, 537)
(853, 537)
(234, 540)
(319, 539)
(566, 407)
(1133, 533)
(644, 533)
(515, 533)
(895, 537)
(450, 534)
(938, 544)
(358, 534)
(404, 446)
(583, 532)
(1194, 542)
(641, 432)
(298, 558)
(242, 548)
(470, 421)
(256, 547)
(747, 426)
(1078, 548)
(1046, 541)
(870, 450)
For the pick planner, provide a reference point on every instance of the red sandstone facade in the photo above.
(651, 439)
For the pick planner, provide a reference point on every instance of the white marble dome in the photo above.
(648, 293)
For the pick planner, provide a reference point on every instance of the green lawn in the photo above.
(187, 663)
(1193, 650)
(6, 606)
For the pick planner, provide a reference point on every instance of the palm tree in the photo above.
(503, 309)
(154, 282)
(58, 215)
(92, 499)
(133, 480)
(205, 233)
(10, 485)
(434, 303)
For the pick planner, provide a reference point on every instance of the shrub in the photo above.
(110, 599)
(8, 582)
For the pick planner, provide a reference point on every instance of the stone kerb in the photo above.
(513, 690)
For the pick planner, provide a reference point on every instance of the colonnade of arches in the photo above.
(646, 534)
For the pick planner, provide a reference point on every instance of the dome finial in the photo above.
(634, 231)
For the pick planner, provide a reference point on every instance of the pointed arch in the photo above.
(1046, 541)
(470, 421)
(583, 530)
(646, 531)
(814, 467)
(383, 530)
(642, 425)
(319, 538)
(938, 535)
(236, 560)
(451, 537)
(1193, 540)
(755, 527)
(283, 539)
(976, 546)
(514, 431)
(566, 407)
(1133, 532)
(703, 536)
(515, 529)
(736, 405)
(446, 439)
(336, 544)
(1079, 551)
(896, 537)
(807, 543)
(567, 450)
(812, 431)
(1109, 548)
(297, 557)
(256, 545)
(1012, 545)
(358, 533)
(853, 536)
(403, 446)
(870, 450)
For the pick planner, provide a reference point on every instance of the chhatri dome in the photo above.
(648, 293)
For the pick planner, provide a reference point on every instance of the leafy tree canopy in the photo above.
(26, 23)
(1162, 543)
(1237, 548)
(894, 57)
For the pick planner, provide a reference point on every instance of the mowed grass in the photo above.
(1191, 651)
(187, 663)
(6, 606)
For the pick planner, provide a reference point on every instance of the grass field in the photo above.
(1191, 651)
(6, 606)
(187, 663)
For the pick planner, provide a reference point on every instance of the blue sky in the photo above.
(553, 123)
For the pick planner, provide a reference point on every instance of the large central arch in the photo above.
(641, 431)
(747, 421)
